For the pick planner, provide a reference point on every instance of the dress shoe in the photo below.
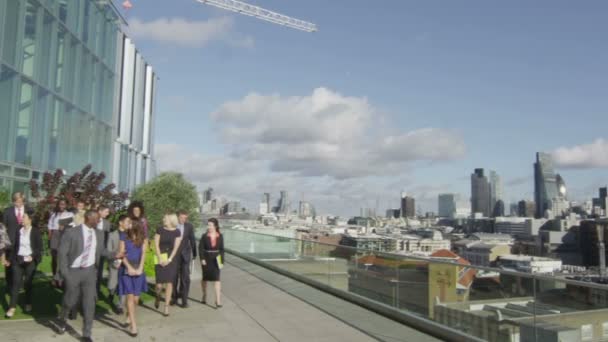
(185, 305)
(61, 327)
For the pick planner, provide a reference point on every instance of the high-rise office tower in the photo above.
(447, 205)
(266, 201)
(305, 209)
(480, 193)
(408, 207)
(499, 209)
(496, 189)
(549, 188)
(526, 208)
(283, 204)
(207, 195)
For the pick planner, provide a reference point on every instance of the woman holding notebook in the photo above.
(166, 241)
(211, 251)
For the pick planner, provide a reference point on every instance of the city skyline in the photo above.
(415, 102)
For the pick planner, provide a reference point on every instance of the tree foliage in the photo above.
(5, 198)
(84, 185)
(168, 193)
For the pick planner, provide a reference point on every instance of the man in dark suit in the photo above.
(80, 250)
(104, 226)
(13, 218)
(185, 253)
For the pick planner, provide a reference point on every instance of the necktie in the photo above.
(87, 250)
(19, 216)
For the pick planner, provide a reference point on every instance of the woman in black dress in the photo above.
(166, 241)
(211, 251)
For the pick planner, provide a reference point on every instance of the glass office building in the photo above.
(60, 80)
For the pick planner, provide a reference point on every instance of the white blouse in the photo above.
(25, 243)
(54, 220)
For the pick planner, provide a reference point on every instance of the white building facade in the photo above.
(133, 149)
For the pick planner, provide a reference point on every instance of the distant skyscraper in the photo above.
(305, 210)
(447, 205)
(266, 201)
(549, 188)
(283, 207)
(526, 208)
(499, 209)
(408, 207)
(480, 193)
(496, 189)
(603, 197)
(207, 195)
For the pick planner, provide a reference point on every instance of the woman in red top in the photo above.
(210, 248)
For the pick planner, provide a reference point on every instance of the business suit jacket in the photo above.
(112, 246)
(10, 222)
(35, 244)
(72, 245)
(187, 248)
(106, 227)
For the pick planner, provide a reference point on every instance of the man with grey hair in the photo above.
(79, 256)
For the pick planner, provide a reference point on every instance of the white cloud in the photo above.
(326, 134)
(188, 33)
(326, 148)
(586, 156)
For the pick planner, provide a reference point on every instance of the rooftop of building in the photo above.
(515, 257)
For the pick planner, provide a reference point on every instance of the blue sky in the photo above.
(468, 83)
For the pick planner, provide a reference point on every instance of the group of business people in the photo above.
(82, 241)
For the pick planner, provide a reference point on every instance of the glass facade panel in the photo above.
(45, 52)
(10, 32)
(24, 122)
(40, 123)
(54, 134)
(5, 170)
(60, 60)
(21, 173)
(29, 38)
(8, 83)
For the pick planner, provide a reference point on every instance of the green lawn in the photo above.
(46, 301)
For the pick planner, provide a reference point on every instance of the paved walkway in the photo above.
(253, 311)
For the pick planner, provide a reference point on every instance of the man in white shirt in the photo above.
(79, 253)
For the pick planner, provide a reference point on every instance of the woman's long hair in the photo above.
(56, 210)
(136, 233)
(133, 205)
(215, 223)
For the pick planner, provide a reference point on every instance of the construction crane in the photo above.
(253, 11)
(261, 13)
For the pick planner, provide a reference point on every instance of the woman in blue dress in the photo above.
(132, 279)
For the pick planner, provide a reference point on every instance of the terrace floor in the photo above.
(259, 305)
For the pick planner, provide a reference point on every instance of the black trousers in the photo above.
(23, 274)
(181, 285)
(54, 262)
(8, 278)
(100, 274)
